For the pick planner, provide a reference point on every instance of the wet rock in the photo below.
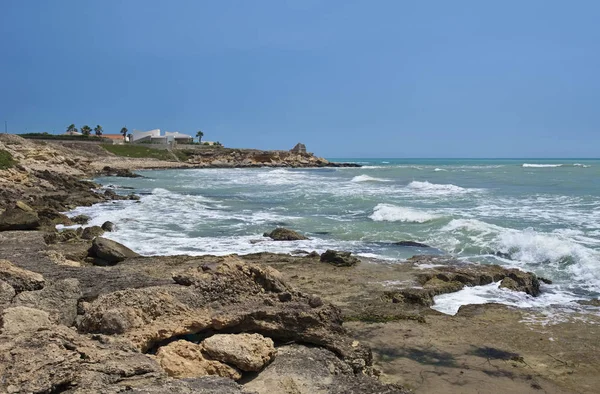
(248, 352)
(20, 319)
(592, 302)
(111, 251)
(58, 299)
(81, 219)
(284, 234)
(108, 226)
(184, 359)
(338, 258)
(120, 172)
(411, 244)
(20, 279)
(92, 232)
(521, 281)
(16, 218)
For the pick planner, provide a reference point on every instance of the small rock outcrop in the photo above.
(284, 234)
(248, 352)
(92, 232)
(111, 251)
(412, 244)
(20, 279)
(80, 219)
(19, 217)
(184, 359)
(299, 148)
(23, 319)
(339, 259)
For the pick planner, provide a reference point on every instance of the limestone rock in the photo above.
(203, 385)
(111, 251)
(184, 359)
(20, 279)
(521, 281)
(7, 293)
(284, 234)
(299, 148)
(340, 259)
(17, 218)
(248, 352)
(303, 370)
(22, 319)
(92, 232)
(412, 244)
(58, 298)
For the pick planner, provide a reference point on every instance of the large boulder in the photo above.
(248, 352)
(339, 259)
(20, 279)
(284, 234)
(111, 251)
(7, 293)
(184, 359)
(19, 217)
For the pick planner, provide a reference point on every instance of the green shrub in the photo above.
(6, 160)
(46, 136)
(138, 151)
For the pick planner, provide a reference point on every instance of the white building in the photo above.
(153, 136)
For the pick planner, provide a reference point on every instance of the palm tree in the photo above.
(72, 129)
(124, 132)
(129, 137)
(98, 130)
(199, 134)
(86, 130)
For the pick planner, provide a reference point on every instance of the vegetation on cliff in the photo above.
(6, 160)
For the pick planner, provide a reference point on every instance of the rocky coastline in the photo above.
(80, 313)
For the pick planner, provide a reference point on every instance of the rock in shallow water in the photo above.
(284, 234)
(340, 259)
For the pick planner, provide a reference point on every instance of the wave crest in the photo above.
(394, 213)
(367, 178)
(437, 189)
(529, 165)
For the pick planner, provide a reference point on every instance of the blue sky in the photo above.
(348, 78)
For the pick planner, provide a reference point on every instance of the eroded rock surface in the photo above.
(284, 234)
(248, 352)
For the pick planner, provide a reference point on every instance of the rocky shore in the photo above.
(80, 313)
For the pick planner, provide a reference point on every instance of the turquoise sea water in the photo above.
(541, 215)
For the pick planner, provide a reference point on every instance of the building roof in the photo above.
(113, 136)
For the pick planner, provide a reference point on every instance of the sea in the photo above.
(540, 215)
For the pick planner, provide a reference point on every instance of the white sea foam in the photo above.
(434, 189)
(394, 213)
(439, 169)
(367, 178)
(581, 165)
(556, 254)
(528, 165)
(450, 303)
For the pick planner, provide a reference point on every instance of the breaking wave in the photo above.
(394, 213)
(437, 189)
(367, 178)
(528, 165)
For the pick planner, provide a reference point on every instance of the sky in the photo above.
(347, 78)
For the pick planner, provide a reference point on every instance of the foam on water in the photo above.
(529, 165)
(427, 188)
(558, 254)
(450, 303)
(394, 213)
(367, 178)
